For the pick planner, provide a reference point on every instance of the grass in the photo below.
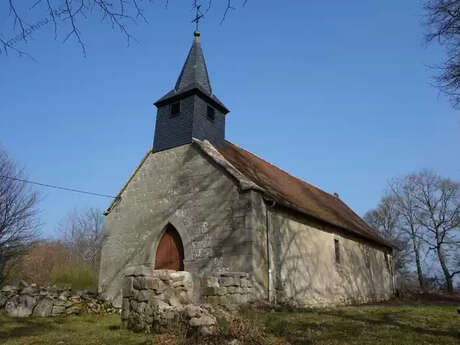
(409, 322)
(376, 325)
(87, 330)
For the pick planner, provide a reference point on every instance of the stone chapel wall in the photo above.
(305, 271)
(181, 187)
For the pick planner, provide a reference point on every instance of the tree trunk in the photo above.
(418, 263)
(445, 269)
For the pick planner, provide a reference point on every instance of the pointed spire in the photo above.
(194, 72)
(193, 79)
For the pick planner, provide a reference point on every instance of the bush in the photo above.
(53, 262)
(36, 265)
(78, 275)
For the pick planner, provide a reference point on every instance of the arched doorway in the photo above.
(170, 251)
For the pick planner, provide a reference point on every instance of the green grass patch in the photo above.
(361, 325)
(75, 330)
(358, 325)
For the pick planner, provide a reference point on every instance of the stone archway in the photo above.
(170, 251)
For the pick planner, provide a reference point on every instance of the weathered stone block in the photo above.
(73, 310)
(148, 310)
(158, 304)
(43, 308)
(162, 274)
(30, 290)
(133, 304)
(239, 298)
(226, 281)
(3, 299)
(152, 283)
(127, 289)
(158, 285)
(193, 311)
(20, 306)
(143, 295)
(125, 309)
(178, 284)
(139, 283)
(203, 320)
(210, 282)
(185, 297)
(231, 289)
(179, 275)
(214, 299)
(140, 308)
(9, 289)
(169, 314)
(216, 291)
(234, 274)
(57, 310)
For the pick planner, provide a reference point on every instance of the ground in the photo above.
(422, 320)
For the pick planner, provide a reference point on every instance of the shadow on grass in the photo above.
(419, 299)
(114, 327)
(327, 324)
(15, 328)
(388, 319)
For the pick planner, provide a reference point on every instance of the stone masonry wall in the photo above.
(154, 300)
(183, 188)
(306, 272)
(31, 300)
(227, 288)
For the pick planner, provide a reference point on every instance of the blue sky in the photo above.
(337, 93)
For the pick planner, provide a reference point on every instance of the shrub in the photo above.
(78, 275)
(36, 265)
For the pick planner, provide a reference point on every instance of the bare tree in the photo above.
(386, 219)
(18, 214)
(438, 212)
(27, 17)
(443, 23)
(83, 233)
(404, 193)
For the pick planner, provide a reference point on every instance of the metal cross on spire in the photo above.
(198, 16)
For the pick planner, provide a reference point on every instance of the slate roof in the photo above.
(194, 87)
(297, 194)
(194, 69)
(193, 77)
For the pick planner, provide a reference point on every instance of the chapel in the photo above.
(199, 203)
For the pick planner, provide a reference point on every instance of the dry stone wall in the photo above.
(31, 300)
(228, 288)
(154, 300)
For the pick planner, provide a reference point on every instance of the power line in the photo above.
(59, 187)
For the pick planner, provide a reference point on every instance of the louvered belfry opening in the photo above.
(170, 251)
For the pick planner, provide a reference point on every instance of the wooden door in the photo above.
(170, 252)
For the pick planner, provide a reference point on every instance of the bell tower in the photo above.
(190, 110)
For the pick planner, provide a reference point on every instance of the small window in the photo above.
(211, 113)
(175, 108)
(337, 251)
